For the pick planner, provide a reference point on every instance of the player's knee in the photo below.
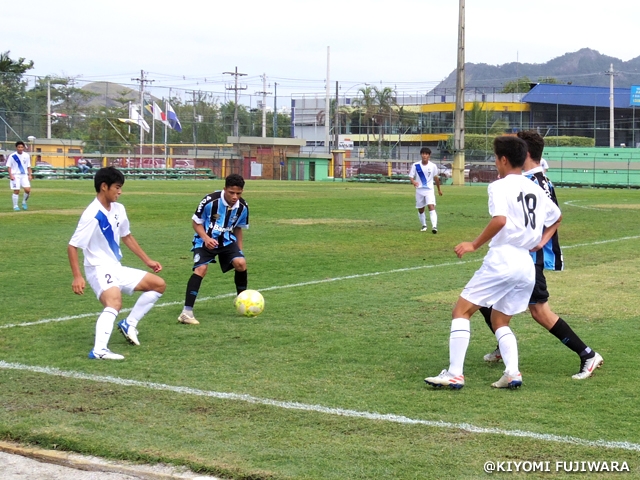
(161, 285)
(240, 264)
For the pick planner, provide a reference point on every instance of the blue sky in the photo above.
(410, 45)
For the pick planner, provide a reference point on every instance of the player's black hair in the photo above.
(234, 180)
(535, 143)
(514, 148)
(426, 150)
(20, 142)
(108, 175)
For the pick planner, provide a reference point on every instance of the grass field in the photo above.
(328, 382)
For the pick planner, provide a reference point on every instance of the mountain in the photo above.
(106, 94)
(584, 67)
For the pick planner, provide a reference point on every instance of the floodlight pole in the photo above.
(612, 142)
(458, 133)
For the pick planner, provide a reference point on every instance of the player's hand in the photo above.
(78, 286)
(464, 247)
(440, 192)
(210, 243)
(537, 247)
(155, 266)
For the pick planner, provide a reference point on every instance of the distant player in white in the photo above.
(102, 225)
(544, 165)
(519, 210)
(20, 175)
(422, 176)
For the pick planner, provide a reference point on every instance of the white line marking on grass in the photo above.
(321, 409)
(228, 295)
(571, 203)
(294, 285)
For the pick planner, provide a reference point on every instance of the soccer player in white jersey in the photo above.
(20, 175)
(519, 212)
(101, 227)
(422, 176)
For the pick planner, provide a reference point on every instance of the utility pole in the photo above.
(336, 122)
(327, 103)
(48, 109)
(195, 122)
(264, 105)
(458, 133)
(612, 141)
(235, 89)
(142, 81)
(275, 110)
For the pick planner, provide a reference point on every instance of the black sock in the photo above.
(241, 281)
(563, 332)
(486, 313)
(193, 286)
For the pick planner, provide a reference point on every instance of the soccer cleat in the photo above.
(434, 230)
(105, 354)
(24, 205)
(424, 228)
(588, 366)
(129, 331)
(508, 381)
(188, 319)
(493, 357)
(446, 379)
(16, 208)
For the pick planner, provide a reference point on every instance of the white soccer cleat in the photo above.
(188, 319)
(424, 228)
(493, 357)
(588, 366)
(446, 379)
(130, 332)
(434, 230)
(508, 381)
(105, 355)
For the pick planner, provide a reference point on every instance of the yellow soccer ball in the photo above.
(249, 303)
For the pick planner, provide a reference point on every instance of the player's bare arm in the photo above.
(437, 180)
(209, 242)
(238, 233)
(133, 245)
(78, 283)
(493, 227)
(547, 234)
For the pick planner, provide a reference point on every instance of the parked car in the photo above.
(444, 170)
(184, 163)
(483, 173)
(43, 169)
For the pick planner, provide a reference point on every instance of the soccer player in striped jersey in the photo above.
(422, 176)
(548, 258)
(519, 212)
(20, 175)
(101, 227)
(218, 222)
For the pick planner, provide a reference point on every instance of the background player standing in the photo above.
(422, 176)
(519, 212)
(218, 222)
(101, 227)
(20, 175)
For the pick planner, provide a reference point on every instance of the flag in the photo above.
(135, 118)
(159, 115)
(172, 118)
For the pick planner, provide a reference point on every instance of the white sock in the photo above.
(434, 218)
(14, 198)
(458, 343)
(104, 327)
(508, 349)
(423, 218)
(25, 197)
(142, 306)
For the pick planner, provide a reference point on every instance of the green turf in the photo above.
(362, 343)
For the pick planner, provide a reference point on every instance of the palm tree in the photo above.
(386, 104)
(367, 106)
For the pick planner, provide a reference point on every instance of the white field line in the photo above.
(572, 203)
(228, 295)
(322, 409)
(294, 285)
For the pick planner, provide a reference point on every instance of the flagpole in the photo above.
(153, 138)
(165, 132)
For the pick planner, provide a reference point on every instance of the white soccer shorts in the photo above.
(424, 197)
(104, 277)
(19, 181)
(505, 280)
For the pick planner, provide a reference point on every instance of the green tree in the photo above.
(521, 85)
(13, 103)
